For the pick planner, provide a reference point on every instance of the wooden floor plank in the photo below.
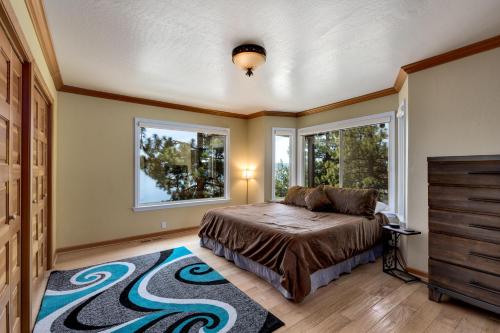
(366, 300)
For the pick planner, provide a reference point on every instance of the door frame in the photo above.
(31, 76)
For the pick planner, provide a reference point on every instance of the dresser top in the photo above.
(470, 158)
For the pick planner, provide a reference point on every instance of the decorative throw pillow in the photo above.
(296, 196)
(317, 200)
(352, 201)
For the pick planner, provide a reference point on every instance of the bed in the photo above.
(294, 249)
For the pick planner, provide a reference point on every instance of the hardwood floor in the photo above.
(366, 300)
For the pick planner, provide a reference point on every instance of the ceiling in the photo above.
(318, 52)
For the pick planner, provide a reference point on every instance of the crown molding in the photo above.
(272, 114)
(350, 101)
(37, 14)
(146, 101)
(462, 52)
(400, 80)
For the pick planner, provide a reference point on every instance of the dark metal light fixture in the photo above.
(249, 57)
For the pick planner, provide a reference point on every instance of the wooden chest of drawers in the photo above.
(464, 229)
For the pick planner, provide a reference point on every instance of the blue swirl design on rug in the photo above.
(170, 291)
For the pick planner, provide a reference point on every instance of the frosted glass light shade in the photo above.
(246, 60)
(248, 57)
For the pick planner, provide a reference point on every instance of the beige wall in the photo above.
(454, 109)
(95, 168)
(260, 154)
(23, 17)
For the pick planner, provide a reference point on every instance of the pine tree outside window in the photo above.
(180, 164)
(283, 161)
(356, 153)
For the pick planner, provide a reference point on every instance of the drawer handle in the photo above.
(485, 256)
(485, 227)
(478, 285)
(489, 200)
(485, 173)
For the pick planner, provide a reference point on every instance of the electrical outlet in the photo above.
(163, 225)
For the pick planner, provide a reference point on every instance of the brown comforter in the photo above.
(292, 241)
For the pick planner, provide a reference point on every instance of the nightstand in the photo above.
(391, 264)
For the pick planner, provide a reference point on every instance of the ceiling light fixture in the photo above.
(249, 57)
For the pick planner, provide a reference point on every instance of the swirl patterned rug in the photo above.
(169, 291)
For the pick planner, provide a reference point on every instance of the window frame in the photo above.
(385, 117)
(402, 117)
(292, 132)
(162, 124)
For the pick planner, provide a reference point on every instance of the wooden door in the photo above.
(39, 186)
(10, 187)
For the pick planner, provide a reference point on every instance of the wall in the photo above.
(95, 194)
(454, 109)
(28, 30)
(260, 154)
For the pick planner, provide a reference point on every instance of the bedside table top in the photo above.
(401, 230)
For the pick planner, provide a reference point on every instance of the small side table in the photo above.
(391, 263)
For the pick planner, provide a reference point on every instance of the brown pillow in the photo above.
(317, 200)
(352, 201)
(296, 196)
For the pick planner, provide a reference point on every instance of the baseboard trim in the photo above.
(418, 273)
(122, 240)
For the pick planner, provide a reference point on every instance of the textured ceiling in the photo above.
(318, 52)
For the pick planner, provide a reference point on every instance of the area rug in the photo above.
(170, 291)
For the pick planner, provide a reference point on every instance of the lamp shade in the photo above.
(247, 174)
(249, 57)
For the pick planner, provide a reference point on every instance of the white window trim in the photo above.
(402, 160)
(138, 122)
(386, 117)
(288, 132)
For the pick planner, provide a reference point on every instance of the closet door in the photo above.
(39, 187)
(10, 187)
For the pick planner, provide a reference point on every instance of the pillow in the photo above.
(317, 200)
(352, 201)
(380, 207)
(296, 196)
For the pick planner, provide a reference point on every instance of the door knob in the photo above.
(35, 201)
(12, 217)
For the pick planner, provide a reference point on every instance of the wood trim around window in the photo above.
(37, 13)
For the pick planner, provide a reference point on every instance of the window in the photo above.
(179, 164)
(283, 172)
(357, 153)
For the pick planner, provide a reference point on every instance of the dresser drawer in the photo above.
(480, 227)
(483, 286)
(470, 199)
(465, 252)
(476, 173)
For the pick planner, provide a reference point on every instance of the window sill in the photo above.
(180, 204)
